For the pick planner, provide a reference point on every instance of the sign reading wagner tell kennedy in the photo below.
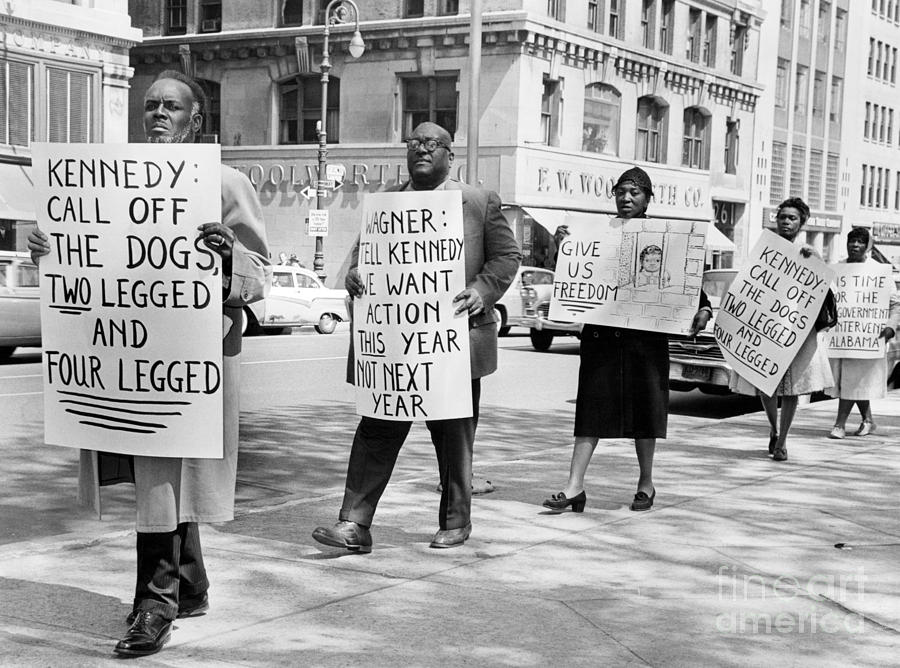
(770, 309)
(411, 353)
(131, 303)
(639, 273)
(863, 295)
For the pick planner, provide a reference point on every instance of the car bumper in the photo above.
(698, 372)
(538, 323)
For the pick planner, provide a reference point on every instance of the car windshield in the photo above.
(537, 278)
(716, 284)
(283, 280)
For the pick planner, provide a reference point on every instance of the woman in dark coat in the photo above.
(623, 379)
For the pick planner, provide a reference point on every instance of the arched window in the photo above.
(650, 142)
(301, 109)
(695, 147)
(600, 130)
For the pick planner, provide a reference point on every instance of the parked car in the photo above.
(535, 313)
(698, 362)
(297, 298)
(20, 303)
(510, 307)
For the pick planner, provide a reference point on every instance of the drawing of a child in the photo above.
(651, 273)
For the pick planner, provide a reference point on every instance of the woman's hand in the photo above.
(701, 318)
(353, 283)
(808, 251)
(561, 233)
(887, 334)
(38, 244)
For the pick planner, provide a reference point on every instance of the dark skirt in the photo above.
(623, 384)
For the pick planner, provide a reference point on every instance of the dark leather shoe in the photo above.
(560, 502)
(642, 501)
(147, 635)
(348, 535)
(451, 537)
(780, 454)
(187, 607)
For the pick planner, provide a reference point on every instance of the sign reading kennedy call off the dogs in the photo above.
(131, 302)
(639, 273)
(769, 310)
(412, 353)
(863, 295)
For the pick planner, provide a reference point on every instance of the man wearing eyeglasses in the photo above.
(492, 257)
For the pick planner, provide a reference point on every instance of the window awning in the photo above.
(717, 241)
(16, 192)
(549, 219)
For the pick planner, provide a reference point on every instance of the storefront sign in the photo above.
(640, 273)
(765, 316)
(886, 232)
(131, 306)
(863, 294)
(819, 222)
(51, 44)
(411, 351)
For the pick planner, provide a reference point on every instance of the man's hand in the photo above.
(699, 322)
(218, 238)
(887, 334)
(38, 244)
(354, 283)
(561, 233)
(807, 251)
(468, 300)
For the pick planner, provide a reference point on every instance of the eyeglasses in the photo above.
(429, 144)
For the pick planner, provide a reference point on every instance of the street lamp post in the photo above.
(338, 12)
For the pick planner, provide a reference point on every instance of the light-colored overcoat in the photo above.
(173, 490)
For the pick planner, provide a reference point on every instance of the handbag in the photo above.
(828, 316)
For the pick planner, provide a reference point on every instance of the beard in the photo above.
(179, 138)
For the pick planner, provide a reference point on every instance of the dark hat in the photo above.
(639, 177)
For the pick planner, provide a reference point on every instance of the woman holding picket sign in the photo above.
(623, 378)
(859, 380)
(809, 371)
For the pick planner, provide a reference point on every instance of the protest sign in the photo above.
(639, 273)
(769, 310)
(863, 295)
(131, 303)
(412, 353)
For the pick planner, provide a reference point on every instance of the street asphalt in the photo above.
(741, 561)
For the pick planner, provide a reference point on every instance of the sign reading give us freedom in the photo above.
(770, 309)
(411, 351)
(131, 302)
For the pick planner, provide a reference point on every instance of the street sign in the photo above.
(327, 184)
(317, 223)
(308, 192)
(335, 172)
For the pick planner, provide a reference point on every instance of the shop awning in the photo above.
(717, 241)
(16, 192)
(549, 219)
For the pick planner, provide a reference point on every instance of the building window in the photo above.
(448, 7)
(801, 94)
(593, 16)
(68, 106)
(429, 99)
(414, 9)
(556, 9)
(732, 144)
(779, 158)
(210, 15)
(863, 185)
(212, 120)
(648, 8)
(818, 102)
(709, 41)
(837, 92)
(692, 50)
(814, 193)
(738, 46)
(798, 169)
(840, 29)
(867, 123)
(805, 19)
(787, 11)
(602, 105)
(16, 103)
(897, 191)
(832, 168)
(650, 144)
(871, 63)
(176, 17)
(824, 22)
(301, 110)
(894, 66)
(551, 111)
(614, 25)
(666, 26)
(292, 13)
(695, 146)
(781, 84)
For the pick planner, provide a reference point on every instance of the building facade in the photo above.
(571, 94)
(64, 77)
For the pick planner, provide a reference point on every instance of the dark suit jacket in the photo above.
(492, 257)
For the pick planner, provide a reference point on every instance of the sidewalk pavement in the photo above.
(742, 561)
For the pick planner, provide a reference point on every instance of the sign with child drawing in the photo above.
(637, 273)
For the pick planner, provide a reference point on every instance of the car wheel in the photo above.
(541, 339)
(249, 326)
(327, 324)
(500, 316)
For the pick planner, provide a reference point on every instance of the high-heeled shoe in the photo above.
(772, 441)
(866, 428)
(561, 502)
(780, 454)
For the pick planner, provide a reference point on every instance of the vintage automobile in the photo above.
(698, 362)
(535, 313)
(510, 307)
(20, 303)
(297, 298)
